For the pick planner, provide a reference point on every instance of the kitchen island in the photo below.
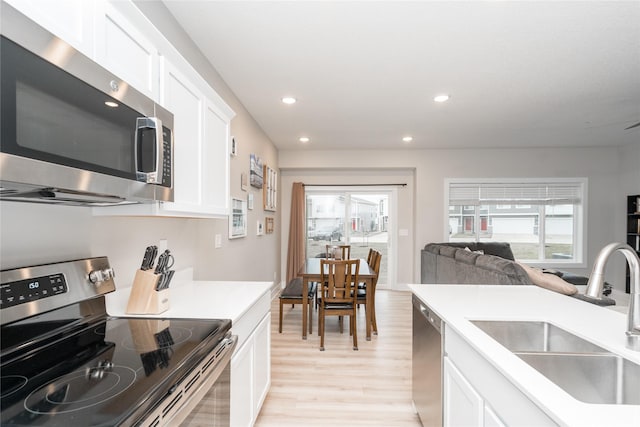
(501, 388)
(248, 306)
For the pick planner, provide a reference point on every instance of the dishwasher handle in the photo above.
(428, 314)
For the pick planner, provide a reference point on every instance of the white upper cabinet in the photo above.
(128, 45)
(125, 50)
(186, 102)
(215, 172)
(70, 20)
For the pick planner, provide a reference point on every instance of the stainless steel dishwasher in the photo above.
(427, 364)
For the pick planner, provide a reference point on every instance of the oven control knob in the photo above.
(107, 365)
(97, 276)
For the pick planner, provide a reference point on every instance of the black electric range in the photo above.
(74, 365)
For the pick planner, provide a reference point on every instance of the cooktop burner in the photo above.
(80, 390)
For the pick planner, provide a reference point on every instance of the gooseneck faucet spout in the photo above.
(596, 284)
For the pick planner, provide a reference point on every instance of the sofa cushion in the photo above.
(548, 280)
(433, 248)
(448, 251)
(507, 272)
(501, 249)
(466, 257)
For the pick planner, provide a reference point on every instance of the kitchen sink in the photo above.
(525, 336)
(590, 378)
(584, 370)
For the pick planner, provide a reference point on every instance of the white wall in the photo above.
(601, 166)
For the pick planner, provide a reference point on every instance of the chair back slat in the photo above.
(339, 280)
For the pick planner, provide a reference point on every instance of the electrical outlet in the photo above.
(218, 241)
(162, 245)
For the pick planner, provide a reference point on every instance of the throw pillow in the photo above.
(479, 251)
(549, 281)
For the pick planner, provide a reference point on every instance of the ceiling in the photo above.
(364, 73)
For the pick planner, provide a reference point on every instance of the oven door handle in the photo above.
(149, 155)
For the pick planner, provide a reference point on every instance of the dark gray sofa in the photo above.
(453, 263)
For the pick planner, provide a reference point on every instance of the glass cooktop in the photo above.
(100, 372)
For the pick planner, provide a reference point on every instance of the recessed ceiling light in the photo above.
(407, 139)
(441, 98)
(304, 139)
(111, 104)
(289, 100)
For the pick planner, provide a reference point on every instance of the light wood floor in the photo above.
(340, 386)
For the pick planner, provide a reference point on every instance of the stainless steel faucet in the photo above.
(596, 283)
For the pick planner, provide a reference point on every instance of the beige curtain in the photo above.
(296, 251)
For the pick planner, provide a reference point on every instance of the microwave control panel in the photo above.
(166, 162)
(32, 289)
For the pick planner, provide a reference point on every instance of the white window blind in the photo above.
(528, 193)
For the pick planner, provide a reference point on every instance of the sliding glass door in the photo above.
(357, 217)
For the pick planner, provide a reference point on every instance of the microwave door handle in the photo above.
(143, 124)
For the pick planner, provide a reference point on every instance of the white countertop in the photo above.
(457, 304)
(198, 300)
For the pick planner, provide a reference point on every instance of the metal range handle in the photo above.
(149, 152)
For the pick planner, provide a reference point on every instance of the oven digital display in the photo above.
(35, 288)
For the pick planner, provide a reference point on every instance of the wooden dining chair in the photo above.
(338, 294)
(363, 288)
(370, 256)
(292, 294)
(338, 251)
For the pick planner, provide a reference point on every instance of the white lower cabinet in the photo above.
(477, 394)
(491, 419)
(251, 375)
(463, 406)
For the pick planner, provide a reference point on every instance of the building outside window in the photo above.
(542, 219)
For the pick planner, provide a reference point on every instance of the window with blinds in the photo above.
(542, 219)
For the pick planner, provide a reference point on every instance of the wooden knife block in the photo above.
(144, 298)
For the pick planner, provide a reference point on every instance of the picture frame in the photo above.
(255, 171)
(238, 218)
(269, 224)
(234, 147)
(243, 182)
(269, 190)
(250, 201)
(259, 228)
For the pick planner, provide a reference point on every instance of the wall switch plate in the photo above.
(218, 241)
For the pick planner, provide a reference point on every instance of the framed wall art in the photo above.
(255, 171)
(269, 190)
(243, 181)
(269, 221)
(238, 218)
(234, 147)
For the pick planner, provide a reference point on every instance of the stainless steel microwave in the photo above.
(72, 132)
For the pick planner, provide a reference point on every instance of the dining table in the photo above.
(310, 272)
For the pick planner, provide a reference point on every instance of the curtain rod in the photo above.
(354, 185)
